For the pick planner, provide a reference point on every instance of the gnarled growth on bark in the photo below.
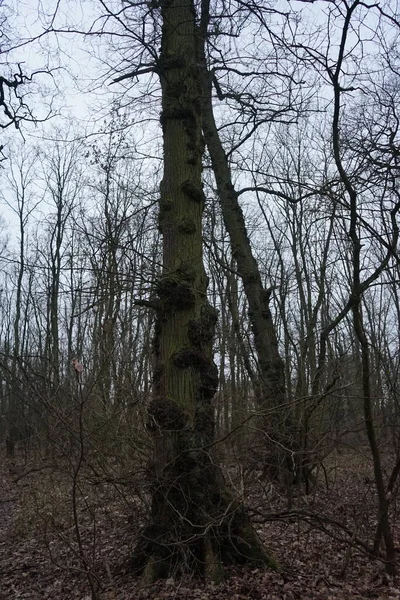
(194, 525)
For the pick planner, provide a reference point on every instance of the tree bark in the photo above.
(195, 526)
(270, 364)
(269, 386)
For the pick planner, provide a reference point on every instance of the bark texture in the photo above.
(270, 364)
(195, 525)
(275, 448)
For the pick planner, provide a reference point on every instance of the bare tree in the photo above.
(194, 523)
(22, 202)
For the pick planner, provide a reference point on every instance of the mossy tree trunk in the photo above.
(194, 524)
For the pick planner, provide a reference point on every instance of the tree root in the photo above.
(183, 548)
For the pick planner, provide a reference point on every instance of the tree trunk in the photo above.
(194, 525)
(270, 384)
(383, 515)
(270, 364)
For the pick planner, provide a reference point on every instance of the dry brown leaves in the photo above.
(39, 557)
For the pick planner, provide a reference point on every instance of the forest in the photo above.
(199, 299)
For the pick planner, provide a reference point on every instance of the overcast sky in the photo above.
(79, 88)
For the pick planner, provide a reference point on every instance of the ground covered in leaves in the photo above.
(320, 541)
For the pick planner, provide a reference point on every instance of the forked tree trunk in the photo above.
(195, 525)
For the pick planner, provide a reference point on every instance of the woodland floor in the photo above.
(39, 558)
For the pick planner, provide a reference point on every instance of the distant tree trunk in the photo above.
(20, 179)
(194, 524)
(63, 182)
(383, 515)
(15, 406)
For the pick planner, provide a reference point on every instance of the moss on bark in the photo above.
(194, 525)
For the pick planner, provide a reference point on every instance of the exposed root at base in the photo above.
(233, 542)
